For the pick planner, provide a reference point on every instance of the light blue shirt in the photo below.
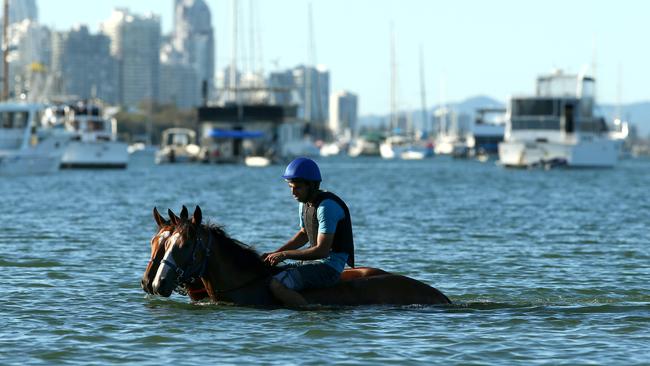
(329, 213)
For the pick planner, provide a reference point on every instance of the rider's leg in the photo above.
(285, 295)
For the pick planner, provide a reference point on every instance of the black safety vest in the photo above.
(343, 240)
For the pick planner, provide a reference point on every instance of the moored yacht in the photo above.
(25, 148)
(94, 143)
(557, 126)
(486, 133)
(178, 146)
(405, 148)
(453, 130)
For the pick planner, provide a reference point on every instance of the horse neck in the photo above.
(223, 275)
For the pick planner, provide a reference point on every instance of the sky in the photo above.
(469, 47)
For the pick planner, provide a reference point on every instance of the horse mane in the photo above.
(243, 255)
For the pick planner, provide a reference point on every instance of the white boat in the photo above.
(330, 149)
(178, 146)
(25, 147)
(402, 147)
(486, 133)
(95, 143)
(257, 161)
(453, 131)
(557, 126)
(365, 146)
(401, 144)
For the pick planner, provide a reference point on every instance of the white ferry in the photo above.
(557, 126)
(25, 147)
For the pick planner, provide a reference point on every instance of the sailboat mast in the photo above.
(393, 80)
(233, 61)
(5, 52)
(423, 93)
(310, 63)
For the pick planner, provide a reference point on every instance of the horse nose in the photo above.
(159, 288)
(144, 283)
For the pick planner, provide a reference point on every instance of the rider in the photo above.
(324, 223)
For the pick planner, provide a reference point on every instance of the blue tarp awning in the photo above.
(235, 134)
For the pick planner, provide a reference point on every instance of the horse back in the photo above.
(383, 289)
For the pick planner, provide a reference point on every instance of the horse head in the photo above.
(185, 253)
(165, 229)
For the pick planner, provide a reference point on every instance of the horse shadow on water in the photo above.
(202, 261)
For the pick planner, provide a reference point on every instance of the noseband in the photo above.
(194, 270)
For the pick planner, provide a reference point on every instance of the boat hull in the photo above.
(594, 153)
(28, 162)
(95, 155)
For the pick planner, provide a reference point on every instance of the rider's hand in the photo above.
(274, 258)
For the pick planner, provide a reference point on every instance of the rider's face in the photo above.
(301, 191)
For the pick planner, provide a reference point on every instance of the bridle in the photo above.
(193, 270)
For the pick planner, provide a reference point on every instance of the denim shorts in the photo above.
(310, 275)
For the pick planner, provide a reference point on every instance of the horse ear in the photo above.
(174, 219)
(184, 213)
(197, 216)
(159, 219)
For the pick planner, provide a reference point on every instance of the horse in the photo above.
(195, 290)
(233, 272)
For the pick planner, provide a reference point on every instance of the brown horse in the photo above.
(196, 290)
(233, 272)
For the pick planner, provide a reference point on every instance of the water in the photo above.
(544, 267)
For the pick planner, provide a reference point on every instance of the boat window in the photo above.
(95, 126)
(536, 124)
(5, 121)
(14, 119)
(534, 107)
(20, 119)
(179, 139)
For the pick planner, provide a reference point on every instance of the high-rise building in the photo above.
(83, 64)
(20, 10)
(29, 57)
(193, 39)
(305, 86)
(178, 81)
(313, 86)
(343, 113)
(282, 87)
(135, 44)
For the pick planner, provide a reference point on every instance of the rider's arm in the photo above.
(318, 251)
(297, 241)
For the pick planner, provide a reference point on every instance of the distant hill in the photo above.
(468, 106)
(637, 114)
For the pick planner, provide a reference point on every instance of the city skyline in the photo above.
(470, 48)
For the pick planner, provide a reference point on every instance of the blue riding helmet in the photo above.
(302, 168)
